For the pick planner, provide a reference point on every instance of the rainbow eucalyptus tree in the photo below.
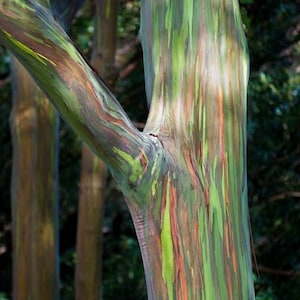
(184, 176)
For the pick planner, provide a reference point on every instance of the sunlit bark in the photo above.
(198, 112)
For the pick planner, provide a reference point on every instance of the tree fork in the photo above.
(184, 177)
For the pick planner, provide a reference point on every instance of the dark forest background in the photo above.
(273, 31)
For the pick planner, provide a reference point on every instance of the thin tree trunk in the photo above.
(34, 186)
(34, 125)
(88, 278)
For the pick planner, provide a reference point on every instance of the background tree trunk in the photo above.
(88, 283)
(34, 185)
(34, 128)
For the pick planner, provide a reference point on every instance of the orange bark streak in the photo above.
(221, 123)
(178, 255)
(233, 252)
(226, 239)
(191, 166)
(229, 282)
(229, 245)
(225, 172)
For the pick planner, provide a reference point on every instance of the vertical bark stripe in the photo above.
(221, 124)
(177, 238)
(166, 244)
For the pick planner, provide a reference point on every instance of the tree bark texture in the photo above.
(34, 129)
(184, 177)
(198, 112)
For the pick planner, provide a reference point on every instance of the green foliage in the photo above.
(3, 296)
(273, 147)
(264, 289)
(129, 19)
(246, 1)
(123, 266)
(82, 30)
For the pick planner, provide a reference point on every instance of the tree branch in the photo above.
(264, 269)
(42, 46)
(284, 195)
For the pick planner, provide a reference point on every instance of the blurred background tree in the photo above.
(273, 29)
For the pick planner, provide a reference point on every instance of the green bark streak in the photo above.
(167, 245)
(26, 49)
(136, 172)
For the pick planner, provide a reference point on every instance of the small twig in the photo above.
(284, 195)
(264, 269)
(128, 69)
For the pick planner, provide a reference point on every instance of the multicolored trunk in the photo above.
(184, 177)
(194, 232)
(34, 128)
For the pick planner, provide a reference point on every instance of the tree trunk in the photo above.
(34, 125)
(195, 239)
(184, 177)
(88, 278)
